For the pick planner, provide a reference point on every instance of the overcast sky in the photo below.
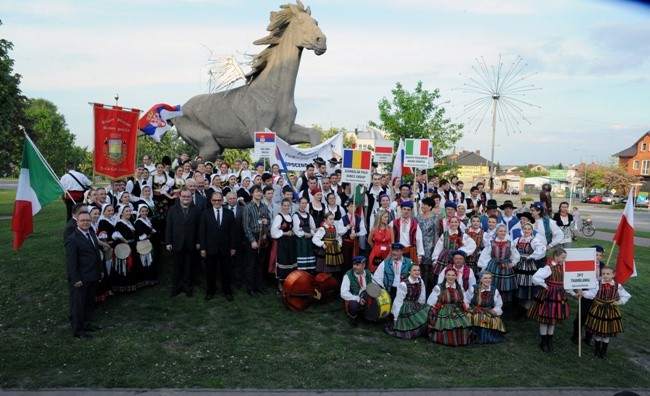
(591, 60)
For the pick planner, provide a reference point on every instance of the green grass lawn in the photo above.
(150, 340)
(637, 233)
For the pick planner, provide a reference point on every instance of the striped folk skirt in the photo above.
(503, 279)
(449, 325)
(550, 306)
(604, 318)
(486, 328)
(411, 322)
(524, 271)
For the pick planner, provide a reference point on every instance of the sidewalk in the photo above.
(608, 236)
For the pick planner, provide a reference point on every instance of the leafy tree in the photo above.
(415, 115)
(171, 145)
(12, 103)
(559, 166)
(52, 136)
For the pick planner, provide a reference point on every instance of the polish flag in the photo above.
(624, 238)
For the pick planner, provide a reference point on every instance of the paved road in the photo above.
(8, 184)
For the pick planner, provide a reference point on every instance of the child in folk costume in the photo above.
(329, 258)
(380, 239)
(144, 231)
(304, 228)
(485, 312)
(409, 310)
(464, 274)
(448, 321)
(500, 257)
(355, 229)
(452, 239)
(128, 270)
(531, 249)
(283, 251)
(604, 319)
(353, 289)
(586, 302)
(477, 234)
(550, 305)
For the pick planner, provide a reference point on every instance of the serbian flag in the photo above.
(624, 238)
(37, 187)
(154, 122)
(356, 159)
(398, 169)
(265, 137)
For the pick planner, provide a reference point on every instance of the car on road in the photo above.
(612, 199)
(586, 198)
(642, 202)
(596, 199)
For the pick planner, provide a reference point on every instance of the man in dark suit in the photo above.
(181, 239)
(84, 271)
(71, 225)
(237, 261)
(217, 245)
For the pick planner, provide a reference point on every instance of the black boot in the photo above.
(597, 348)
(549, 343)
(603, 350)
(588, 338)
(353, 322)
(542, 344)
(574, 336)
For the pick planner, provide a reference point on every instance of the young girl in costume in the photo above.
(485, 312)
(448, 321)
(409, 308)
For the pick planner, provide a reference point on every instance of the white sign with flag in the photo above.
(580, 269)
(416, 153)
(264, 144)
(296, 159)
(383, 151)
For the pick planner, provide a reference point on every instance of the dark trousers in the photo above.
(354, 308)
(237, 264)
(182, 271)
(253, 270)
(68, 208)
(83, 306)
(221, 263)
(585, 305)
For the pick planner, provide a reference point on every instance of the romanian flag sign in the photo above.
(383, 151)
(264, 144)
(356, 166)
(580, 269)
(416, 153)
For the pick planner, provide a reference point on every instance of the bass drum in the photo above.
(326, 288)
(298, 290)
(378, 307)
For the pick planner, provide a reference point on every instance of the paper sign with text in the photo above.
(580, 269)
(355, 167)
(383, 151)
(264, 145)
(416, 153)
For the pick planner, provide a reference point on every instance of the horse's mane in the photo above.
(279, 22)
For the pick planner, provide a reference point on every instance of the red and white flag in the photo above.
(624, 238)
(37, 187)
(399, 170)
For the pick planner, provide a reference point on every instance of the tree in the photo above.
(12, 103)
(170, 145)
(415, 115)
(52, 136)
(559, 166)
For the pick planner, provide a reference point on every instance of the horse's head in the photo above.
(309, 36)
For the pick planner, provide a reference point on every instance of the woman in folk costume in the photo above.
(475, 231)
(243, 194)
(380, 239)
(451, 239)
(329, 258)
(179, 182)
(231, 185)
(304, 228)
(333, 207)
(355, 229)
(124, 199)
(565, 221)
(127, 271)
(531, 250)
(550, 306)
(283, 252)
(410, 313)
(500, 257)
(604, 319)
(157, 219)
(485, 312)
(103, 287)
(144, 230)
(316, 207)
(429, 226)
(105, 229)
(448, 321)
(162, 185)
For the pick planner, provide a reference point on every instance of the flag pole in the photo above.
(47, 165)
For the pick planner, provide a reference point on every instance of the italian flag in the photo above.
(624, 238)
(37, 187)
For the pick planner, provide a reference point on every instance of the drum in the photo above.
(326, 288)
(378, 307)
(373, 290)
(122, 251)
(143, 247)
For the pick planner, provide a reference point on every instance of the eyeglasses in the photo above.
(217, 200)
(84, 220)
(186, 196)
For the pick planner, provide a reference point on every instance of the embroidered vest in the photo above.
(413, 228)
(389, 271)
(355, 287)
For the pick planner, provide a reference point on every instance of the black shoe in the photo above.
(252, 293)
(92, 327)
(549, 343)
(262, 290)
(209, 297)
(542, 344)
(229, 297)
(603, 350)
(353, 322)
(597, 348)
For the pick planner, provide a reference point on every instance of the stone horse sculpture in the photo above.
(228, 119)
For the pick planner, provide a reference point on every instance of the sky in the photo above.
(588, 63)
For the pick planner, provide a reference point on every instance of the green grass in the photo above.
(150, 340)
(637, 233)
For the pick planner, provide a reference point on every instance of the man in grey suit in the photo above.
(84, 271)
(182, 240)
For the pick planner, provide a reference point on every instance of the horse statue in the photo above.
(229, 119)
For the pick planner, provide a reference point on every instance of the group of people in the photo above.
(451, 262)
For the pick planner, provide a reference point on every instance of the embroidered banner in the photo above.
(115, 140)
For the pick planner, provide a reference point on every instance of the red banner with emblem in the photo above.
(115, 140)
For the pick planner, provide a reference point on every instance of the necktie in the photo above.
(361, 281)
(90, 238)
(202, 193)
(144, 183)
(185, 212)
(396, 265)
(218, 217)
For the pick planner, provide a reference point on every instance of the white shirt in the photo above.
(378, 276)
(345, 287)
(469, 246)
(276, 231)
(556, 232)
(320, 233)
(498, 301)
(433, 297)
(623, 295)
(405, 239)
(486, 253)
(71, 184)
(402, 289)
(459, 274)
(296, 224)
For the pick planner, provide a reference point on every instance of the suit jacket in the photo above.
(215, 238)
(200, 200)
(70, 227)
(182, 232)
(82, 257)
(238, 233)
